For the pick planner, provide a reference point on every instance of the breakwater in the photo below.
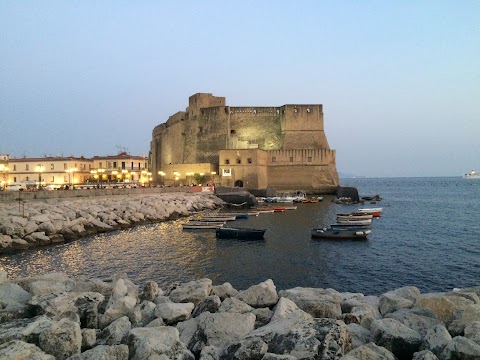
(54, 316)
(33, 223)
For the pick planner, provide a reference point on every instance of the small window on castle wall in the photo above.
(232, 132)
(278, 111)
(309, 159)
(200, 129)
(308, 110)
(227, 161)
(249, 160)
(295, 110)
(274, 159)
(254, 111)
(239, 161)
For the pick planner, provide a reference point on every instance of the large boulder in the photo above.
(63, 339)
(463, 317)
(114, 333)
(122, 301)
(461, 348)
(13, 300)
(397, 299)
(19, 350)
(156, 343)
(320, 303)
(234, 305)
(210, 304)
(415, 319)
(103, 352)
(444, 305)
(363, 308)
(193, 291)
(472, 332)
(436, 339)
(369, 351)
(260, 295)
(172, 312)
(402, 341)
(224, 291)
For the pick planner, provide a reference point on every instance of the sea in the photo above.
(428, 236)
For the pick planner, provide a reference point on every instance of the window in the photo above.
(249, 160)
(200, 129)
(14, 179)
(64, 166)
(232, 132)
(52, 166)
(227, 161)
(309, 159)
(100, 165)
(239, 161)
(308, 110)
(15, 168)
(274, 159)
(53, 179)
(123, 164)
(114, 164)
(295, 110)
(291, 158)
(27, 167)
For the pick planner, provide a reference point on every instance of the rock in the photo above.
(40, 238)
(172, 312)
(472, 332)
(365, 308)
(114, 333)
(270, 356)
(402, 341)
(262, 316)
(461, 348)
(436, 338)
(103, 352)
(30, 227)
(261, 295)
(249, 349)
(411, 319)
(369, 351)
(145, 312)
(224, 291)
(464, 316)
(424, 355)
(155, 342)
(219, 329)
(151, 291)
(389, 302)
(122, 301)
(27, 329)
(155, 322)
(210, 353)
(234, 305)
(13, 300)
(3, 277)
(320, 303)
(63, 339)
(211, 304)
(359, 335)
(89, 338)
(443, 305)
(19, 350)
(56, 238)
(193, 291)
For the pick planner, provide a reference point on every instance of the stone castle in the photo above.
(281, 147)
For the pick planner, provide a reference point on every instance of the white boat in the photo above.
(472, 175)
(206, 225)
(354, 216)
(355, 222)
(218, 218)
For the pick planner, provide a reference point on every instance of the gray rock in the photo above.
(103, 352)
(402, 341)
(359, 335)
(260, 295)
(122, 301)
(172, 312)
(364, 308)
(461, 348)
(151, 291)
(27, 329)
(247, 349)
(3, 277)
(89, 338)
(369, 351)
(13, 300)
(224, 291)
(210, 353)
(155, 322)
(424, 355)
(464, 316)
(19, 350)
(211, 304)
(262, 316)
(436, 338)
(445, 306)
(390, 302)
(270, 356)
(144, 313)
(472, 332)
(30, 227)
(193, 291)
(414, 321)
(114, 333)
(320, 303)
(62, 340)
(155, 342)
(234, 305)
(41, 238)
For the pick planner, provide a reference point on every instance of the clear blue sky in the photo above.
(399, 80)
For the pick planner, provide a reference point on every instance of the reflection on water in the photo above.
(416, 242)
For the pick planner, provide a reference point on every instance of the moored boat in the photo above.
(205, 225)
(355, 222)
(341, 234)
(240, 233)
(375, 212)
(350, 226)
(219, 218)
(354, 216)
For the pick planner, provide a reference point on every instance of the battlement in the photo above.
(300, 157)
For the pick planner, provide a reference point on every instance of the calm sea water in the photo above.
(428, 236)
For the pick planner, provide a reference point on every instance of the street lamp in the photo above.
(71, 171)
(39, 168)
(101, 175)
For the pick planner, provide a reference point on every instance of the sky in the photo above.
(399, 80)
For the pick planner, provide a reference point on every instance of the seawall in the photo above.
(29, 223)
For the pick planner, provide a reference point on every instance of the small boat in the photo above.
(375, 212)
(350, 226)
(200, 222)
(219, 218)
(279, 209)
(354, 216)
(355, 222)
(202, 226)
(342, 234)
(240, 233)
(238, 215)
(472, 175)
(290, 207)
(265, 211)
(310, 201)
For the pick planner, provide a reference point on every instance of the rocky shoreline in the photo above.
(54, 316)
(36, 223)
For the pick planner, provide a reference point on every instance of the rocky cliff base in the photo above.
(54, 316)
(38, 223)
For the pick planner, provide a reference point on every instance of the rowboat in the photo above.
(219, 218)
(200, 222)
(375, 212)
(350, 226)
(354, 216)
(265, 211)
(202, 226)
(330, 233)
(355, 222)
(279, 209)
(238, 215)
(293, 207)
(240, 233)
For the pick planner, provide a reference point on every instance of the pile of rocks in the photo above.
(39, 223)
(56, 317)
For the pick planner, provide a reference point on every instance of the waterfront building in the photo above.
(283, 147)
(74, 170)
(3, 170)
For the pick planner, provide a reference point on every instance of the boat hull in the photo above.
(340, 234)
(240, 233)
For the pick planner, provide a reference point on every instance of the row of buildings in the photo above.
(124, 168)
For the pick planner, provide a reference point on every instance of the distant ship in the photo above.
(472, 175)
